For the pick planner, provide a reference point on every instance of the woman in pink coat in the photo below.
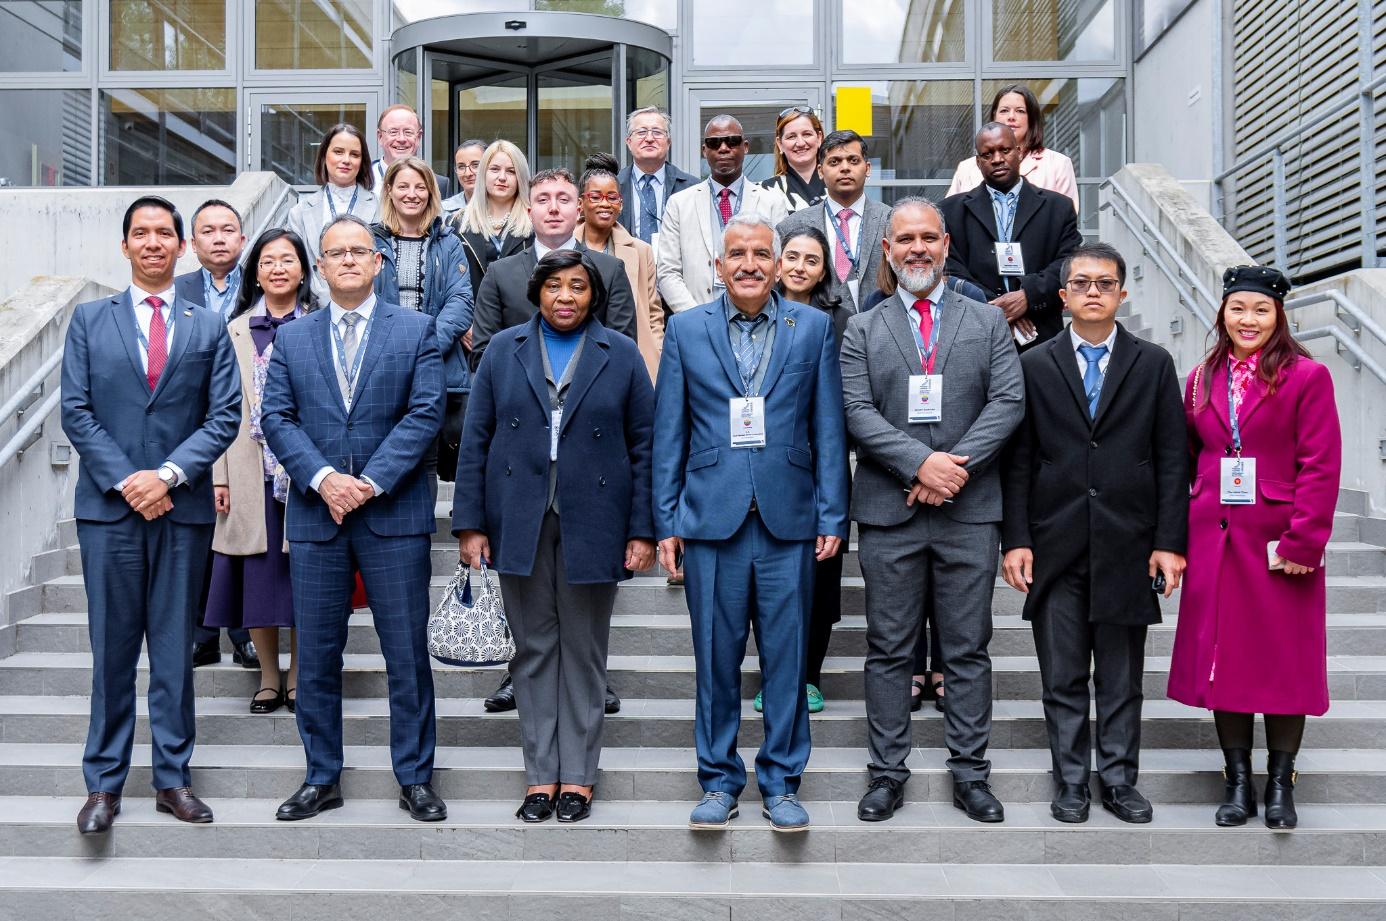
(1252, 633)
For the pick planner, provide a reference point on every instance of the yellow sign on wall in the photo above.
(854, 109)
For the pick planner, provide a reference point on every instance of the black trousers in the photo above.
(450, 437)
(827, 610)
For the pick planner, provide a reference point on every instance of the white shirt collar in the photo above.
(934, 297)
(657, 176)
(858, 206)
(364, 311)
(138, 295)
(1077, 340)
(735, 187)
(540, 250)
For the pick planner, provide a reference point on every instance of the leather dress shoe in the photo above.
(975, 798)
(613, 703)
(883, 797)
(537, 807)
(1071, 803)
(573, 807)
(504, 698)
(1126, 803)
(309, 800)
(244, 655)
(97, 813)
(182, 805)
(423, 804)
(206, 654)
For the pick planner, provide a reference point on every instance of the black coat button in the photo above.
(349, 424)
(601, 481)
(1093, 491)
(596, 433)
(1228, 451)
(507, 470)
(1092, 444)
(1223, 524)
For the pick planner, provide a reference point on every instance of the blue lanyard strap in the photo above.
(853, 258)
(168, 333)
(332, 204)
(1232, 417)
(351, 372)
(926, 354)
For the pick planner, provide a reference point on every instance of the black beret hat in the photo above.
(1261, 279)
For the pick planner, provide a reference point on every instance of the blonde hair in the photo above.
(388, 215)
(477, 216)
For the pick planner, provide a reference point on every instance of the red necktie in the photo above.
(724, 205)
(926, 329)
(841, 261)
(158, 342)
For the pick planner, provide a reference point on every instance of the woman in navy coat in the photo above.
(553, 490)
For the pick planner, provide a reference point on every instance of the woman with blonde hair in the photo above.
(495, 223)
(798, 137)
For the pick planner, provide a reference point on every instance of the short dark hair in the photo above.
(988, 128)
(469, 142)
(151, 201)
(599, 165)
(215, 203)
(1103, 252)
(1034, 115)
(549, 175)
(841, 138)
(365, 176)
(560, 259)
(251, 290)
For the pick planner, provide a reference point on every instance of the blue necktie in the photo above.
(747, 351)
(649, 210)
(1092, 378)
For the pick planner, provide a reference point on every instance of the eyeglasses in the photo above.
(802, 110)
(337, 255)
(468, 167)
(407, 133)
(1084, 285)
(288, 262)
(727, 140)
(597, 198)
(657, 134)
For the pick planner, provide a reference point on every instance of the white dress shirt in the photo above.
(364, 311)
(540, 250)
(1078, 340)
(144, 315)
(908, 300)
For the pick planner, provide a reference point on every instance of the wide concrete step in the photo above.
(1328, 775)
(655, 723)
(920, 833)
(636, 677)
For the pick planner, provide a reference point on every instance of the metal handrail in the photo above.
(1348, 344)
(268, 221)
(1345, 305)
(14, 403)
(32, 423)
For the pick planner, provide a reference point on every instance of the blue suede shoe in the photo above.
(715, 810)
(785, 813)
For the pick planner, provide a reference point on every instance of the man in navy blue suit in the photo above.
(150, 399)
(353, 401)
(750, 482)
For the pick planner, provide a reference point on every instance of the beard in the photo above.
(916, 279)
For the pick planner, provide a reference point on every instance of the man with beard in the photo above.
(933, 389)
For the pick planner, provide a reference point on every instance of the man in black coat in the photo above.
(1040, 226)
(1095, 507)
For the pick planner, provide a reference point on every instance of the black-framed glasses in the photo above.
(802, 110)
(1084, 285)
(727, 140)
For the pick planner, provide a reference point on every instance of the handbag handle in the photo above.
(466, 573)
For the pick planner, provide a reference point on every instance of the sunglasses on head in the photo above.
(802, 110)
(729, 140)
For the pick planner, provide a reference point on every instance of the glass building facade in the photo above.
(148, 92)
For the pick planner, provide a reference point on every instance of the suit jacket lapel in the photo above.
(124, 313)
(379, 327)
(1255, 396)
(979, 203)
(1027, 207)
(326, 361)
(1067, 365)
(872, 232)
(716, 322)
(1119, 365)
(899, 325)
(705, 214)
(950, 321)
(784, 343)
(527, 353)
(589, 364)
(183, 320)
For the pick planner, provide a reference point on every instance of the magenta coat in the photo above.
(1250, 640)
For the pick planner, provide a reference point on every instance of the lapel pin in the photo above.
(187, 313)
(789, 321)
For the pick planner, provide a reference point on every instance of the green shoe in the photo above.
(815, 699)
(759, 704)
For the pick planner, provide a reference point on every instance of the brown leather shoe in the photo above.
(98, 813)
(183, 805)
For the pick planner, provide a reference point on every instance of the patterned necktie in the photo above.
(158, 342)
(926, 328)
(724, 205)
(350, 341)
(746, 347)
(649, 210)
(1092, 378)
(841, 261)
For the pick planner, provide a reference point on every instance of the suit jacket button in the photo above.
(507, 470)
(1223, 524)
(349, 426)
(601, 481)
(149, 411)
(514, 423)
(596, 433)
(1093, 491)
(1092, 444)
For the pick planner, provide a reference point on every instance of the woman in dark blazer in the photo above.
(563, 515)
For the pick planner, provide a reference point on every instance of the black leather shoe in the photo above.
(180, 803)
(1126, 803)
(1280, 791)
(1071, 803)
(613, 703)
(309, 801)
(423, 804)
(883, 797)
(975, 798)
(244, 655)
(206, 654)
(573, 807)
(537, 807)
(504, 698)
(97, 813)
(1239, 796)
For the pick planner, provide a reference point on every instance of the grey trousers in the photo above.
(559, 669)
(898, 564)
(1070, 649)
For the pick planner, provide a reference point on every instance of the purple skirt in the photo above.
(254, 591)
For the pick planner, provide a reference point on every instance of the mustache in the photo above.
(742, 274)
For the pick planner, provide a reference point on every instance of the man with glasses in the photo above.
(650, 179)
(398, 136)
(465, 160)
(1095, 485)
(690, 235)
(1010, 238)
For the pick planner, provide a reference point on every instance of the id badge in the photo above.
(555, 423)
(747, 415)
(1238, 481)
(926, 398)
(1009, 260)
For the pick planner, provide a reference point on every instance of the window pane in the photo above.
(662, 13)
(406, 78)
(495, 110)
(403, 12)
(766, 33)
(575, 111)
(168, 136)
(40, 36)
(920, 129)
(290, 134)
(1051, 30)
(647, 80)
(168, 35)
(904, 32)
(47, 140)
(312, 34)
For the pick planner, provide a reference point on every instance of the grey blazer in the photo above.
(306, 220)
(983, 402)
(873, 228)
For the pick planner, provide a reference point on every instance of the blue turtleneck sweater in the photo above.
(560, 347)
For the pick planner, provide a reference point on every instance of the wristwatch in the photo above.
(168, 477)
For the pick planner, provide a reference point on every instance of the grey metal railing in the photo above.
(21, 405)
(275, 217)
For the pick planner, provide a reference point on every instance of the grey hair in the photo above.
(915, 201)
(750, 220)
(347, 218)
(650, 110)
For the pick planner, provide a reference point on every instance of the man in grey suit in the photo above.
(854, 224)
(650, 179)
(933, 389)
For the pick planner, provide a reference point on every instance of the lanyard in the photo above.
(219, 303)
(926, 355)
(168, 333)
(733, 199)
(846, 246)
(1232, 417)
(332, 204)
(1007, 211)
(350, 373)
(748, 380)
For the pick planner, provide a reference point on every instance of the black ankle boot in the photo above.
(1280, 791)
(1239, 800)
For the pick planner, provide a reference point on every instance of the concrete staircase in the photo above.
(636, 857)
